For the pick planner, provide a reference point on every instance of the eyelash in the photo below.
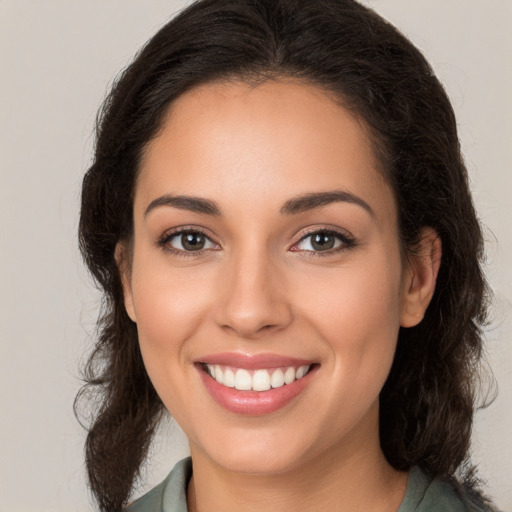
(347, 242)
(163, 241)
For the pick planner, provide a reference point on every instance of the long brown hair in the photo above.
(428, 401)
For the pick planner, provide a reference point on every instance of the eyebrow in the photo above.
(293, 206)
(192, 204)
(314, 200)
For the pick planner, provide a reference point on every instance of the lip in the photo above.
(252, 361)
(254, 403)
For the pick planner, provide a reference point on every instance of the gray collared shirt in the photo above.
(422, 494)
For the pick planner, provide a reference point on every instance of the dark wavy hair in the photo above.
(428, 400)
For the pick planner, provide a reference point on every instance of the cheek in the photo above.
(356, 312)
(357, 297)
(170, 306)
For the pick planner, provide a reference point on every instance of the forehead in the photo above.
(228, 141)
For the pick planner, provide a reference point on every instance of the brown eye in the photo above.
(190, 241)
(193, 241)
(323, 241)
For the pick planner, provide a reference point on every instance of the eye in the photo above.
(187, 241)
(323, 241)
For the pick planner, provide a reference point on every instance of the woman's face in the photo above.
(265, 246)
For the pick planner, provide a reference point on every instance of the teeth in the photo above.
(260, 380)
(219, 374)
(289, 376)
(301, 371)
(229, 378)
(277, 379)
(243, 380)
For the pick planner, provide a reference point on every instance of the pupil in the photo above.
(323, 241)
(192, 241)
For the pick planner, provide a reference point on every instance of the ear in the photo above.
(122, 257)
(420, 278)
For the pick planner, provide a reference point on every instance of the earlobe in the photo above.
(124, 267)
(420, 280)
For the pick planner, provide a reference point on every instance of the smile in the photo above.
(256, 380)
(255, 385)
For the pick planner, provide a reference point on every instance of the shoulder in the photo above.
(151, 501)
(169, 495)
(425, 495)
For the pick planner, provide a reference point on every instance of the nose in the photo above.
(253, 299)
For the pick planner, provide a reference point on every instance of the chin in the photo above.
(258, 454)
(263, 464)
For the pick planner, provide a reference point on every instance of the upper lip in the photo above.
(252, 361)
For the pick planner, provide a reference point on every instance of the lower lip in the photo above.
(255, 403)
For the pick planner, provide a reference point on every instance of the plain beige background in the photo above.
(57, 59)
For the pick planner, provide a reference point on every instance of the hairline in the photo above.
(255, 78)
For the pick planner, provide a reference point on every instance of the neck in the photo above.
(359, 479)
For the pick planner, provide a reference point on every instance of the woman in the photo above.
(279, 215)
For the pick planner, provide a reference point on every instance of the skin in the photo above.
(258, 287)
